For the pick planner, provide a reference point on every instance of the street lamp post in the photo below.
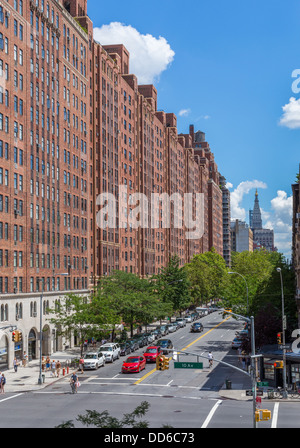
(40, 380)
(283, 336)
(237, 273)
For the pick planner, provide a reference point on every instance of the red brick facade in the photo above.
(75, 124)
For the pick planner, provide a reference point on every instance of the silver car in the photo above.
(172, 328)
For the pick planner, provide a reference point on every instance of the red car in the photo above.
(134, 364)
(152, 352)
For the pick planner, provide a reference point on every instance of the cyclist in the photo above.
(73, 382)
(210, 359)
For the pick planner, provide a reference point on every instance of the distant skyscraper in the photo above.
(261, 237)
(256, 221)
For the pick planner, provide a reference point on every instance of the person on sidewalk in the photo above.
(15, 365)
(53, 368)
(81, 363)
(48, 362)
(58, 367)
(2, 383)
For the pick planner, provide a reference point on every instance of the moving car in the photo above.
(195, 316)
(93, 360)
(151, 353)
(134, 364)
(242, 333)
(164, 344)
(202, 311)
(110, 351)
(196, 327)
(188, 318)
(125, 349)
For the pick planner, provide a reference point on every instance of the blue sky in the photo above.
(228, 70)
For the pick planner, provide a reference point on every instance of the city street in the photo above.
(181, 398)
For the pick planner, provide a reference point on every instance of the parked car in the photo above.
(164, 344)
(150, 337)
(134, 364)
(93, 360)
(125, 349)
(181, 321)
(152, 352)
(236, 343)
(133, 344)
(157, 333)
(202, 311)
(196, 327)
(188, 318)
(242, 333)
(110, 351)
(177, 325)
(172, 328)
(164, 330)
(141, 340)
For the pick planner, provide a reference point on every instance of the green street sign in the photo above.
(263, 384)
(188, 365)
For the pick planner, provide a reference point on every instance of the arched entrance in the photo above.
(3, 352)
(32, 345)
(46, 341)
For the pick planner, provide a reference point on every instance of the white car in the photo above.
(93, 360)
(110, 351)
(181, 321)
(188, 318)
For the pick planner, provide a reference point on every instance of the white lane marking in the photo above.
(275, 415)
(9, 398)
(210, 415)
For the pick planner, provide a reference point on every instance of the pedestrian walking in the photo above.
(2, 383)
(15, 365)
(25, 359)
(58, 367)
(244, 363)
(43, 364)
(53, 368)
(48, 362)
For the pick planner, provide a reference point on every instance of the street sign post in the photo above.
(188, 365)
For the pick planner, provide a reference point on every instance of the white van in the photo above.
(202, 311)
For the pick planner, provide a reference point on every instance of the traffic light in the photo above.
(160, 362)
(257, 416)
(20, 336)
(166, 363)
(17, 336)
(279, 336)
(13, 336)
(278, 364)
(265, 415)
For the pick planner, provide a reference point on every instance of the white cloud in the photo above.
(236, 197)
(149, 56)
(291, 114)
(184, 112)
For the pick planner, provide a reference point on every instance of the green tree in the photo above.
(132, 298)
(73, 315)
(208, 276)
(173, 286)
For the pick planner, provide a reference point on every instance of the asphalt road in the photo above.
(181, 398)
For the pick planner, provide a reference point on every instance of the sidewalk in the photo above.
(26, 378)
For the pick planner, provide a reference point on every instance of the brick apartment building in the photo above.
(296, 241)
(75, 126)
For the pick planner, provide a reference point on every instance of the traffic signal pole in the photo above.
(253, 358)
